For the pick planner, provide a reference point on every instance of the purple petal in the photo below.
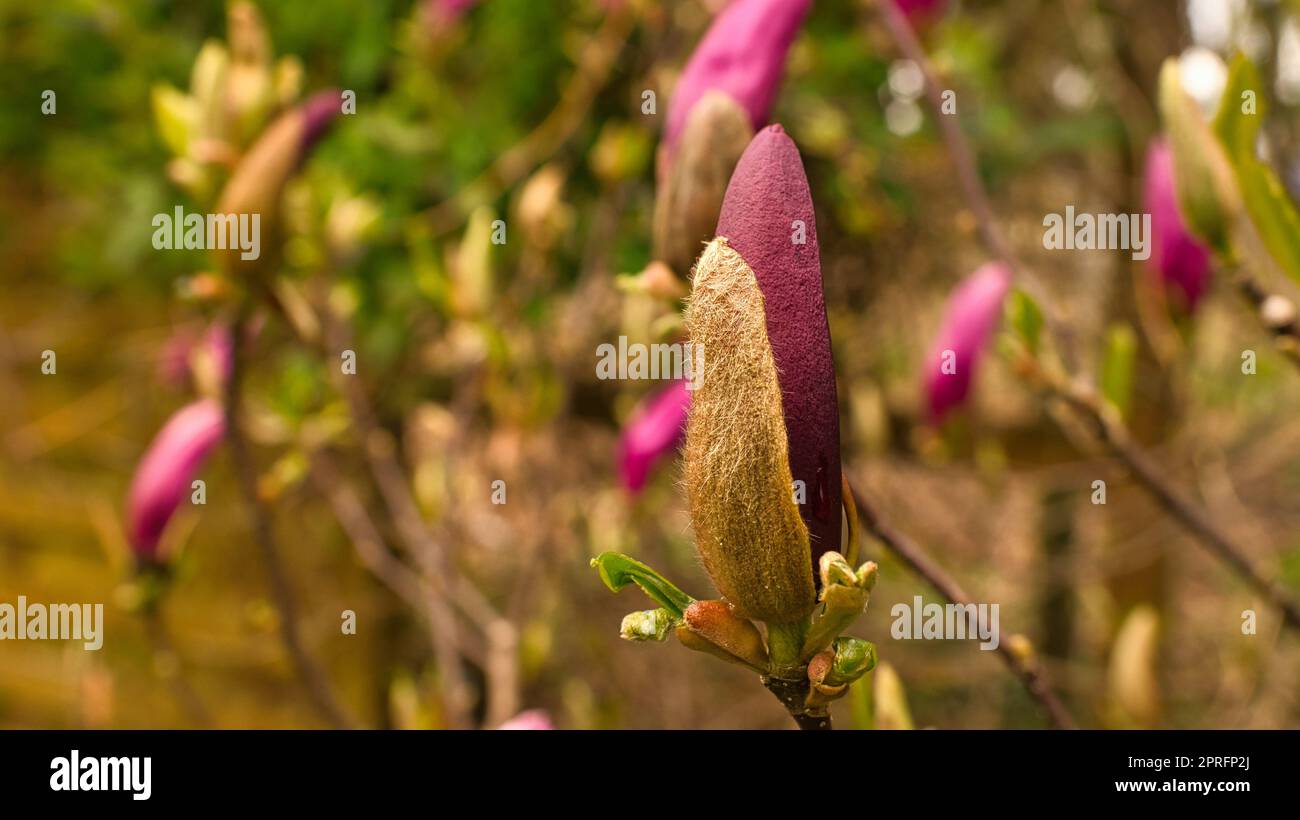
(654, 430)
(743, 55)
(163, 476)
(973, 313)
(1179, 260)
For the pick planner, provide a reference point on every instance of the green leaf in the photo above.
(1241, 110)
(617, 571)
(1117, 365)
(1026, 319)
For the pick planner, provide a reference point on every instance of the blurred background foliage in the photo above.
(481, 363)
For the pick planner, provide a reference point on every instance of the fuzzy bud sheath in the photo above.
(1180, 261)
(972, 314)
(652, 433)
(260, 177)
(163, 477)
(742, 55)
(766, 413)
(690, 195)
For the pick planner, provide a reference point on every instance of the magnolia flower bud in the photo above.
(163, 477)
(1206, 184)
(972, 314)
(1180, 260)
(259, 179)
(717, 623)
(766, 414)
(686, 208)
(653, 432)
(743, 55)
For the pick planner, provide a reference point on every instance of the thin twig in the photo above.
(1111, 431)
(593, 69)
(311, 675)
(1026, 669)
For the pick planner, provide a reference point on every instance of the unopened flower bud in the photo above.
(715, 623)
(648, 625)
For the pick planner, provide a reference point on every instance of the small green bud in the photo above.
(647, 625)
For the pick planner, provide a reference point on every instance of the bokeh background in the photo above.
(479, 365)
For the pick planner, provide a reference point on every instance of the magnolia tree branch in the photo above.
(1021, 663)
(594, 67)
(174, 673)
(259, 519)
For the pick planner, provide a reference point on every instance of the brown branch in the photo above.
(186, 696)
(311, 675)
(1030, 673)
(1185, 510)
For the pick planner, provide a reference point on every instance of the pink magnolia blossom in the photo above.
(532, 719)
(654, 430)
(1180, 262)
(743, 55)
(973, 312)
(163, 476)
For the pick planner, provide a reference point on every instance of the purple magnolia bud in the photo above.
(164, 474)
(1180, 261)
(743, 55)
(532, 719)
(973, 312)
(654, 430)
(919, 12)
(768, 218)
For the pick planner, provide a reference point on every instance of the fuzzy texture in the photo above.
(163, 477)
(653, 432)
(767, 195)
(1180, 261)
(973, 312)
(743, 55)
(748, 531)
(691, 190)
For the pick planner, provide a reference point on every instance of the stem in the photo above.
(1026, 669)
(788, 681)
(311, 675)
